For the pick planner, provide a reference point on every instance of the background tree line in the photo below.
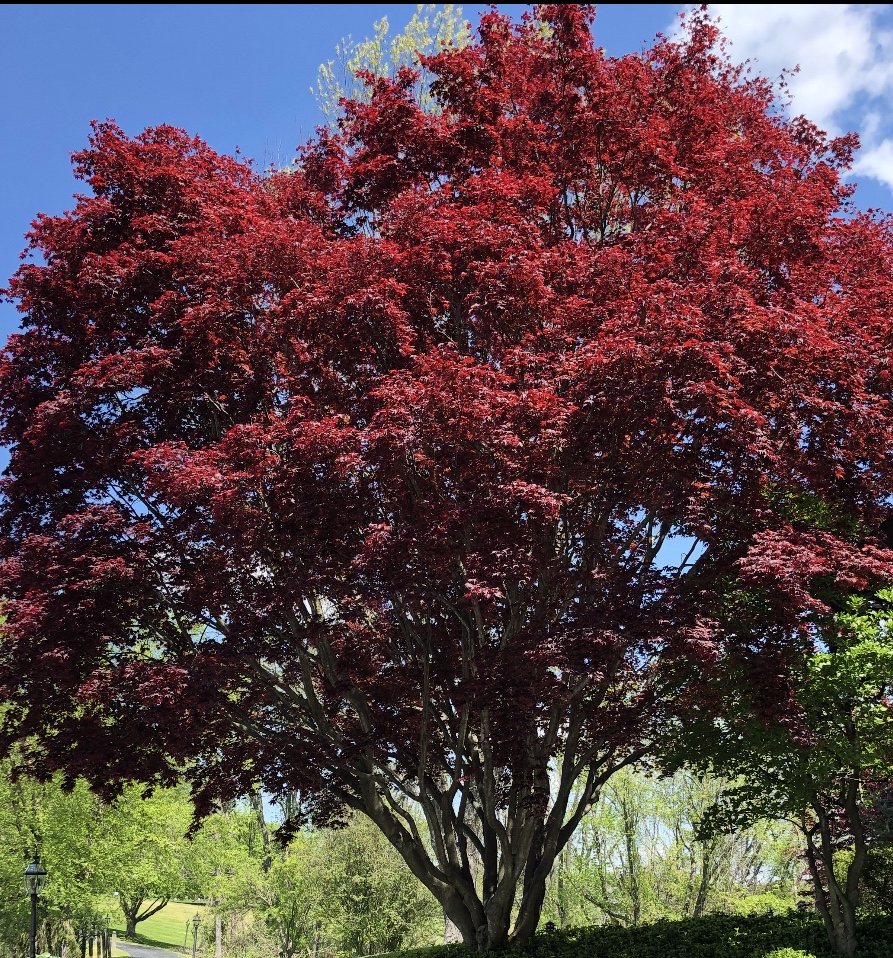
(637, 857)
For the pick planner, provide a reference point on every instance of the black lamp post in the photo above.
(196, 921)
(35, 876)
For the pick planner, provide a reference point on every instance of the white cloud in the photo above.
(876, 161)
(845, 56)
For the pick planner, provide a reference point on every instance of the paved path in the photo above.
(145, 951)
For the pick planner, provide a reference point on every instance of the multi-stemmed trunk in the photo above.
(489, 863)
(479, 822)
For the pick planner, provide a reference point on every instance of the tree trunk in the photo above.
(218, 936)
(837, 905)
(630, 838)
(451, 933)
(257, 803)
(455, 768)
(563, 868)
(132, 913)
(703, 884)
(517, 849)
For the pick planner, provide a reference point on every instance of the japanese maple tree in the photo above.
(419, 478)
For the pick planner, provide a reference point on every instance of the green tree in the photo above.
(341, 890)
(816, 770)
(136, 846)
(697, 873)
(638, 857)
(224, 858)
(375, 904)
(431, 28)
(152, 854)
(64, 829)
(291, 897)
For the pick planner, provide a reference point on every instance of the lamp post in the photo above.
(35, 876)
(196, 921)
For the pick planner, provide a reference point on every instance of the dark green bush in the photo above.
(717, 936)
(877, 881)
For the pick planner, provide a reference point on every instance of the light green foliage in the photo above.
(637, 857)
(431, 28)
(294, 904)
(375, 903)
(274, 910)
(152, 854)
(789, 953)
(769, 902)
(225, 866)
(39, 818)
(136, 847)
(223, 852)
(330, 892)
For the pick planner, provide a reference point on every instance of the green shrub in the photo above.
(789, 935)
(877, 882)
(766, 903)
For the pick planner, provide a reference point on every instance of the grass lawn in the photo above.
(166, 928)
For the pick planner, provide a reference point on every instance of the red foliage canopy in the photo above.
(457, 448)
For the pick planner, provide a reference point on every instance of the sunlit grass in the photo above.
(169, 928)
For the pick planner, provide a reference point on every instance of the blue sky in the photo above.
(239, 75)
